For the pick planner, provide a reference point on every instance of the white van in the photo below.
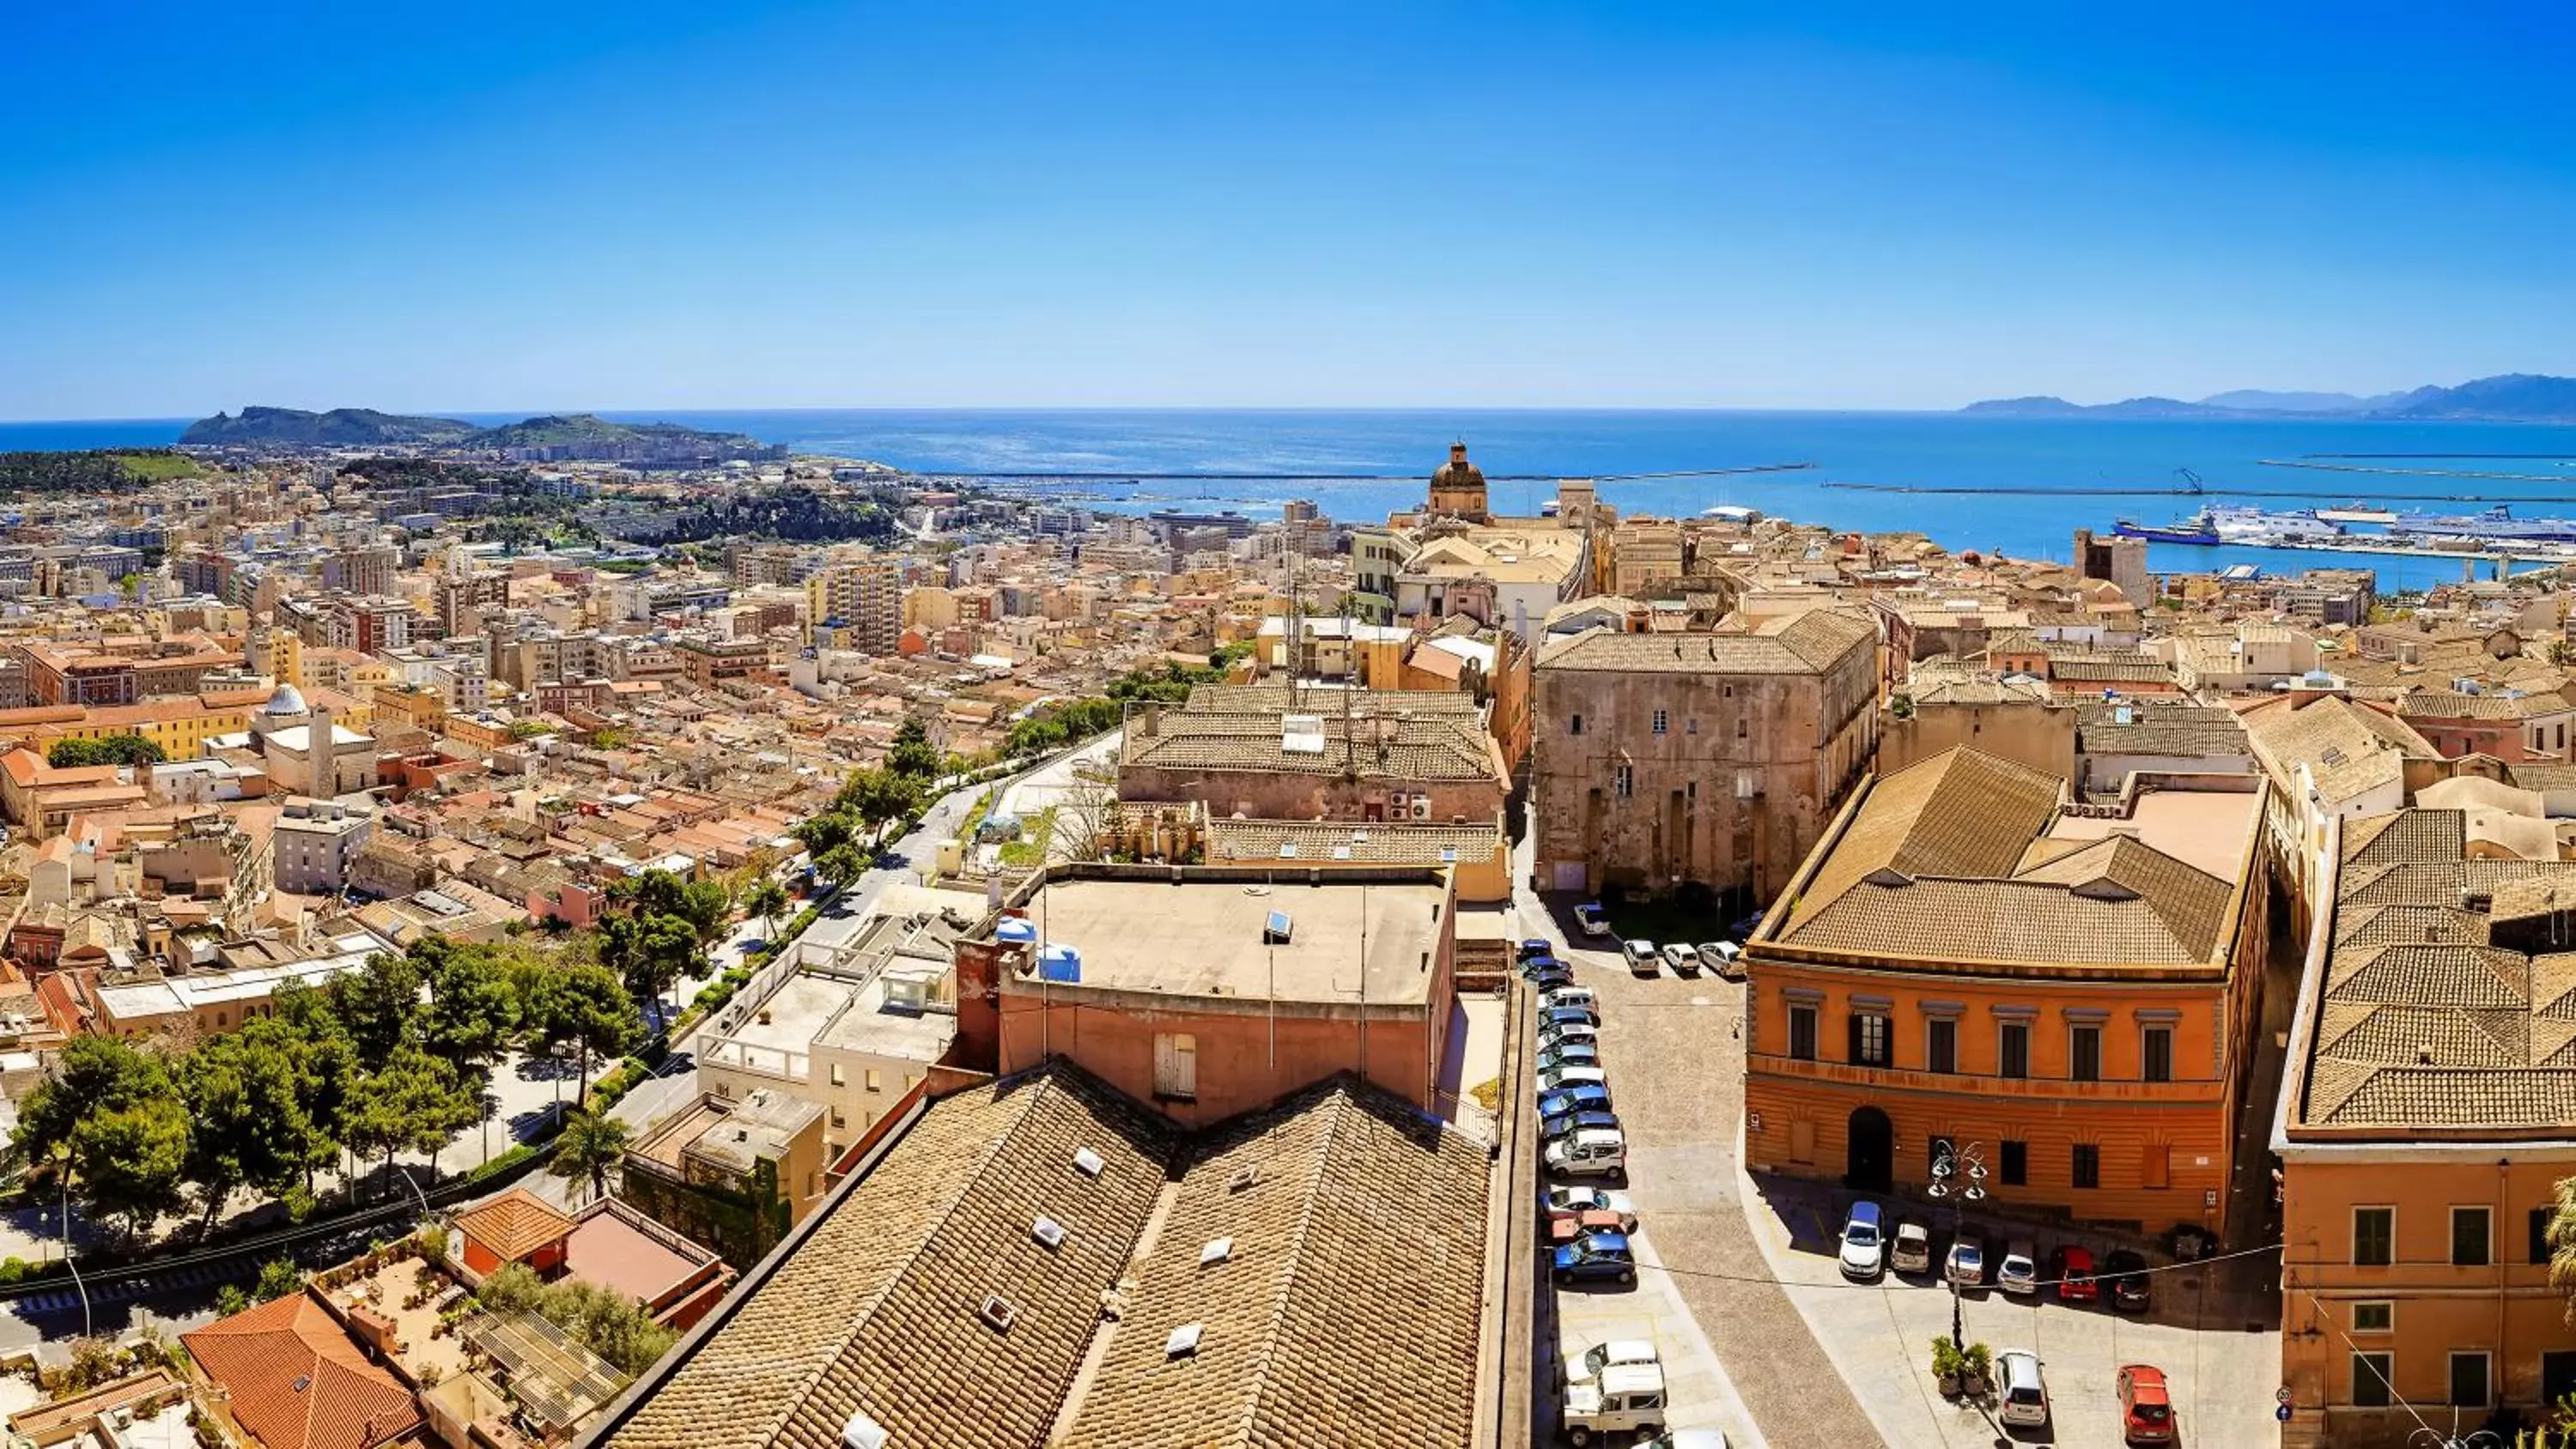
(1591, 1152)
(1569, 996)
(1627, 1401)
(2025, 1397)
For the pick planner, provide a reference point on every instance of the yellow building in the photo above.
(1969, 957)
(2428, 1112)
(179, 727)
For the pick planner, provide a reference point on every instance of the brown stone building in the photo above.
(1273, 753)
(1707, 760)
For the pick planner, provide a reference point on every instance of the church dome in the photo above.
(287, 700)
(1458, 473)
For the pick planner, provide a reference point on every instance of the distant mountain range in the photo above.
(579, 435)
(2514, 397)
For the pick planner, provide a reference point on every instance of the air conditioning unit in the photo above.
(1421, 807)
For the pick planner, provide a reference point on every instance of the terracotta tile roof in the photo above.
(1317, 840)
(1961, 814)
(1400, 735)
(1809, 643)
(1348, 1188)
(2138, 727)
(514, 1225)
(298, 1381)
(876, 1308)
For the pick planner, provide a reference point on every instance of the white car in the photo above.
(1642, 956)
(1864, 1249)
(1591, 919)
(1913, 1250)
(1565, 1198)
(1617, 1353)
(1966, 1264)
(1723, 957)
(1628, 1401)
(2018, 1273)
(1569, 996)
(1590, 1152)
(1557, 1079)
(2018, 1384)
(1683, 959)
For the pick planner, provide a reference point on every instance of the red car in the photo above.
(2073, 1269)
(2146, 1411)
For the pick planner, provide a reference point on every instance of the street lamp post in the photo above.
(2432, 1438)
(77, 1285)
(1958, 1187)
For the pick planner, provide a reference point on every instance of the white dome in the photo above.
(287, 700)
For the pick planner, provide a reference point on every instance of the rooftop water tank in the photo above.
(1059, 962)
(1016, 931)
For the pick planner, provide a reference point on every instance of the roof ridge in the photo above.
(1275, 1321)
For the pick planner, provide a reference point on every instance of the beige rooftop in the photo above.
(1206, 938)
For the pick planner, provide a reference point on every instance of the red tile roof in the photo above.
(296, 1379)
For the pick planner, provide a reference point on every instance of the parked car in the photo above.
(1552, 1128)
(1643, 959)
(1864, 1250)
(1723, 957)
(1910, 1250)
(1966, 1263)
(2018, 1384)
(1587, 1098)
(2018, 1273)
(1547, 975)
(1534, 966)
(1567, 1016)
(1591, 919)
(2132, 1286)
(1597, 1152)
(1566, 1224)
(1555, 1079)
(1580, 1199)
(1596, 1258)
(1536, 946)
(2072, 1267)
(1683, 959)
(1556, 996)
(1569, 1054)
(2146, 1409)
(1549, 1036)
(1601, 1357)
(1627, 1403)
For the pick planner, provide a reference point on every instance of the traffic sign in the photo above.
(2282, 1413)
(2282, 1395)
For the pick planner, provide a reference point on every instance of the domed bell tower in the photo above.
(1458, 488)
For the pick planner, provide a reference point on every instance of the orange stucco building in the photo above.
(1969, 956)
(2428, 1112)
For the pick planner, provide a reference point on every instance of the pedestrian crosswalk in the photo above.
(126, 1290)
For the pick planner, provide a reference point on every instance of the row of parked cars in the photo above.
(1870, 1248)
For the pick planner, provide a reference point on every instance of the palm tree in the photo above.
(592, 1143)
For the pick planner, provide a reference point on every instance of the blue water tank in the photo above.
(1058, 962)
(1016, 931)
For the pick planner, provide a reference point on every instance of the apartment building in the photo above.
(1971, 956)
(1702, 761)
(861, 598)
(2428, 1113)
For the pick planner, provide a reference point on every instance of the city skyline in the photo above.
(1647, 206)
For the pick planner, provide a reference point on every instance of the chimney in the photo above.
(324, 783)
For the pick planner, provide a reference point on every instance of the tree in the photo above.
(413, 1102)
(766, 899)
(912, 753)
(607, 1322)
(876, 797)
(1088, 808)
(126, 749)
(473, 1005)
(822, 834)
(841, 865)
(591, 1143)
(130, 1162)
(246, 1126)
(512, 1288)
(379, 1004)
(587, 1005)
(278, 1277)
(94, 1074)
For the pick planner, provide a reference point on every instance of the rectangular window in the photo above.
(1740, 731)
(1176, 1065)
(2016, 1164)
(2469, 1378)
(2012, 1049)
(2371, 1373)
(1868, 1039)
(2471, 1235)
(875, 1084)
(2374, 1315)
(836, 1074)
(2540, 1236)
(836, 1118)
(2155, 1054)
(1941, 1046)
(1690, 726)
(1623, 780)
(2084, 1054)
(2374, 1236)
(1659, 721)
(1574, 725)
(2088, 1165)
(1802, 1033)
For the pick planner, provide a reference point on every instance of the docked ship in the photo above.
(2496, 525)
(2198, 528)
(2261, 526)
(2357, 513)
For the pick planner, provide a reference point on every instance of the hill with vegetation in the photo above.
(98, 470)
(338, 428)
(2513, 397)
(580, 435)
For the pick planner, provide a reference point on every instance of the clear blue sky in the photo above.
(742, 204)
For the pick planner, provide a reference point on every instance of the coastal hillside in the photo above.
(340, 427)
(2509, 398)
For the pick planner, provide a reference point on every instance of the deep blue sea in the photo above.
(1910, 449)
